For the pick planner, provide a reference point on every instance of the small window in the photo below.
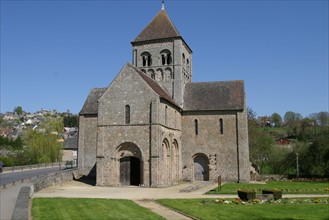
(163, 59)
(221, 128)
(196, 127)
(127, 114)
(187, 65)
(166, 115)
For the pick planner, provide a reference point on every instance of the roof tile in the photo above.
(205, 96)
(160, 27)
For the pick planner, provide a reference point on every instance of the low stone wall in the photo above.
(53, 179)
(21, 210)
(265, 178)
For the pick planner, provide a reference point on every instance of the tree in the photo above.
(260, 142)
(53, 125)
(291, 117)
(18, 110)
(42, 147)
(323, 118)
(251, 114)
(276, 119)
(71, 121)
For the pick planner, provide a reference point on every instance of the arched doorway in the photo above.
(201, 168)
(130, 171)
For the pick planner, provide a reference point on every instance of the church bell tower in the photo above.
(161, 52)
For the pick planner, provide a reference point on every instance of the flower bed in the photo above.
(256, 201)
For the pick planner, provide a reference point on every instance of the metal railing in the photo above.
(63, 164)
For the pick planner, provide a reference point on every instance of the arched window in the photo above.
(149, 60)
(196, 127)
(221, 128)
(169, 60)
(127, 114)
(183, 60)
(151, 73)
(146, 59)
(168, 74)
(159, 75)
(166, 58)
(163, 59)
(187, 65)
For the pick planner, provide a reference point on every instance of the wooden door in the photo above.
(125, 171)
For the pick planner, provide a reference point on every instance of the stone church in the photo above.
(152, 126)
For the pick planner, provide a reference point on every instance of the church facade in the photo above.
(153, 126)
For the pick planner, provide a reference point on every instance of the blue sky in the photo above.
(54, 52)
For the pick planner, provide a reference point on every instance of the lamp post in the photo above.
(297, 166)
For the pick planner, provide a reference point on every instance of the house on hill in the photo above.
(153, 126)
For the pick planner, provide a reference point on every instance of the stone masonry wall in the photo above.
(87, 144)
(221, 149)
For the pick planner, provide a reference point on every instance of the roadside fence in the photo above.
(63, 164)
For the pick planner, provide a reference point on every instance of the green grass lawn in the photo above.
(287, 187)
(203, 209)
(71, 208)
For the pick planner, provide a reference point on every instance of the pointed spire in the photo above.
(162, 7)
(160, 27)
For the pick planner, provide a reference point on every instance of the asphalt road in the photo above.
(10, 177)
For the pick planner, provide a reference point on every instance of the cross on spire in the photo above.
(162, 7)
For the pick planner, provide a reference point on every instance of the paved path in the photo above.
(161, 210)
(76, 189)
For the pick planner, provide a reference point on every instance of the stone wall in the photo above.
(87, 144)
(21, 209)
(219, 146)
(171, 76)
(53, 179)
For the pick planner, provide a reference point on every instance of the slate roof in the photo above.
(70, 143)
(156, 87)
(209, 96)
(160, 27)
(90, 106)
